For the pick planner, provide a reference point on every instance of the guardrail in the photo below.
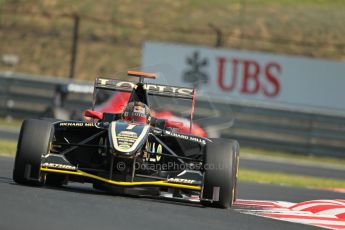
(24, 96)
(281, 128)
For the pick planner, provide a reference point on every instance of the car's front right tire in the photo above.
(220, 170)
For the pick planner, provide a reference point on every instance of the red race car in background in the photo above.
(116, 103)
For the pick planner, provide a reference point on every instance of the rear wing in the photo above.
(152, 89)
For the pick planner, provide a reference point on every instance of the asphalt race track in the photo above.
(80, 207)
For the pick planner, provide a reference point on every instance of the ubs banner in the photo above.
(224, 73)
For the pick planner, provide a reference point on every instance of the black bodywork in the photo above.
(158, 156)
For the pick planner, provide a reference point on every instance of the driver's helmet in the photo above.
(136, 112)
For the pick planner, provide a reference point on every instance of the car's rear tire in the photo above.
(34, 141)
(220, 170)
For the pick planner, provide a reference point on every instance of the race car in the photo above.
(130, 152)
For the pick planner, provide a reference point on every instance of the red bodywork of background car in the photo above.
(117, 103)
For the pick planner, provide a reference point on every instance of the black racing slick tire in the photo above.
(34, 141)
(220, 173)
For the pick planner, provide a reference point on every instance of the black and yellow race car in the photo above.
(131, 152)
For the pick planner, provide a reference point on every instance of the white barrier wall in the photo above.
(224, 73)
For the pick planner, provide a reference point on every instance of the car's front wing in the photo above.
(160, 183)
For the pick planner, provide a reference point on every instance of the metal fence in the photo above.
(24, 96)
(284, 128)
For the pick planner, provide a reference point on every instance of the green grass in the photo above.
(265, 3)
(255, 152)
(289, 179)
(8, 148)
(112, 32)
(13, 123)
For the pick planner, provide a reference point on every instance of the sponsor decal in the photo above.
(149, 87)
(126, 139)
(76, 124)
(151, 146)
(236, 74)
(147, 148)
(189, 138)
(249, 76)
(59, 166)
(159, 150)
(180, 180)
(196, 75)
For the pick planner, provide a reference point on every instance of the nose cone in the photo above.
(126, 139)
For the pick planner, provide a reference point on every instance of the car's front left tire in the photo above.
(34, 141)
